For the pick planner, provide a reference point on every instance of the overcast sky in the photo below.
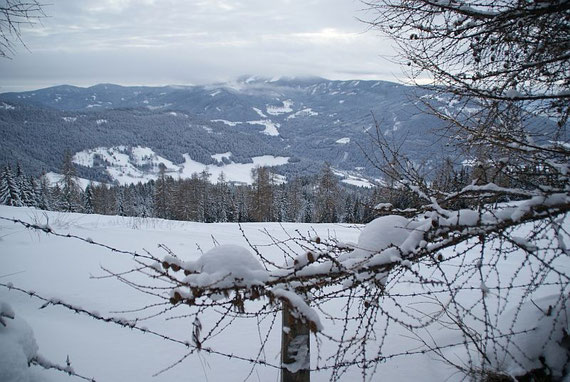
(159, 42)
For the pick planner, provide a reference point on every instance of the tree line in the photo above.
(320, 198)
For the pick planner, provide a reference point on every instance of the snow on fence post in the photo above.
(295, 347)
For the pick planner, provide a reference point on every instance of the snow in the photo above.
(381, 233)
(306, 112)
(470, 162)
(278, 110)
(130, 165)
(158, 107)
(513, 93)
(101, 121)
(385, 240)
(396, 125)
(259, 112)
(64, 268)
(300, 306)
(143, 155)
(224, 266)
(69, 119)
(7, 106)
(55, 178)
(270, 126)
(17, 347)
(123, 162)
(300, 352)
(343, 141)
(220, 157)
(352, 179)
(6, 311)
(233, 172)
(357, 181)
(226, 122)
(544, 340)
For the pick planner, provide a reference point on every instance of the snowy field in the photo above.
(124, 165)
(67, 269)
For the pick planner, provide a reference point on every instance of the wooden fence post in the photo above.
(295, 348)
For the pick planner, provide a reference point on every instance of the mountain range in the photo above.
(121, 134)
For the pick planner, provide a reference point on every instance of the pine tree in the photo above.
(43, 193)
(33, 192)
(262, 195)
(88, 200)
(161, 193)
(70, 190)
(9, 192)
(24, 187)
(224, 210)
(120, 201)
(327, 196)
(206, 206)
(294, 196)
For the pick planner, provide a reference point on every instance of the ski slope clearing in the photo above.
(75, 271)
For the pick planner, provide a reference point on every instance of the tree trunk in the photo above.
(295, 348)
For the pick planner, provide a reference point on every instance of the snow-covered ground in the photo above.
(352, 179)
(271, 128)
(306, 112)
(56, 179)
(130, 165)
(233, 172)
(277, 110)
(64, 268)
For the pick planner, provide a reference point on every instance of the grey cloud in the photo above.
(181, 41)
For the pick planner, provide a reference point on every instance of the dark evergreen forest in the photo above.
(319, 199)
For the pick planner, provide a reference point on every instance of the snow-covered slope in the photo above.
(129, 165)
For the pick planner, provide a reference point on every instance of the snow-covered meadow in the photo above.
(69, 269)
(130, 165)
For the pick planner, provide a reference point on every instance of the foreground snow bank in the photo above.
(543, 340)
(63, 268)
(17, 347)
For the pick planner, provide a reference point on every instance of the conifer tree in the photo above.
(9, 192)
(327, 196)
(43, 193)
(262, 195)
(205, 202)
(161, 194)
(24, 187)
(70, 190)
(88, 200)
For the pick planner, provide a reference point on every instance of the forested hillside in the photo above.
(309, 120)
